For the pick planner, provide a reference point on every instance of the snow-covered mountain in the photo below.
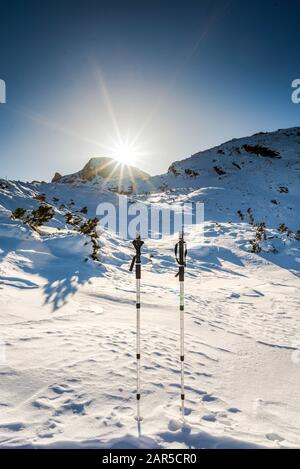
(105, 171)
(67, 360)
(261, 172)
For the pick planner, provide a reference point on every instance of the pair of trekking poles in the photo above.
(180, 255)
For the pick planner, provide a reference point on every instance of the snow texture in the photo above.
(67, 344)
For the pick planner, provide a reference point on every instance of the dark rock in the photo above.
(57, 177)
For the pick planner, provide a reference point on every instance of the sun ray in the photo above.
(109, 177)
(51, 124)
(120, 178)
(131, 176)
(109, 105)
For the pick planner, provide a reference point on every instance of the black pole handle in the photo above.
(180, 255)
(136, 260)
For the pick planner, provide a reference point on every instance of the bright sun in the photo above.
(125, 153)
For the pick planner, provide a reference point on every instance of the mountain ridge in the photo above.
(105, 168)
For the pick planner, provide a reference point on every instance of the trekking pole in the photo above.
(180, 255)
(138, 243)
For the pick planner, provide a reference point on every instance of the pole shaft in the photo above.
(180, 249)
(138, 329)
(138, 347)
(182, 343)
(138, 243)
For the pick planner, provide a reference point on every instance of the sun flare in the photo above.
(125, 153)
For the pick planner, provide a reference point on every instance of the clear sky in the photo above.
(175, 77)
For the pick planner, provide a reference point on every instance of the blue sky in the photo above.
(174, 77)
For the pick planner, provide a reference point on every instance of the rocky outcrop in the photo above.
(106, 168)
(57, 177)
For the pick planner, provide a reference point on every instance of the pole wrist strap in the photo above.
(132, 263)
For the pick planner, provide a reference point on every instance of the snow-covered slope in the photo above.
(67, 361)
(261, 172)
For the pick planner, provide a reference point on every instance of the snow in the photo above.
(67, 361)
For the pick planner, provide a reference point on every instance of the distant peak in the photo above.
(104, 167)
